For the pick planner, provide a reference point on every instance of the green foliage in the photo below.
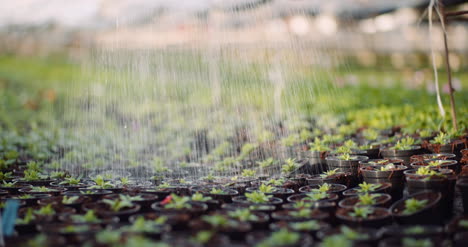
(413, 205)
(329, 173)
(427, 171)
(322, 188)
(33, 175)
(200, 198)
(28, 217)
(310, 225)
(282, 237)
(316, 196)
(370, 134)
(89, 217)
(58, 174)
(124, 181)
(365, 187)
(275, 182)
(5, 176)
(367, 199)
(40, 189)
(258, 197)
(318, 146)
(347, 156)
(442, 139)
(216, 221)
(203, 237)
(243, 215)
(108, 237)
(71, 181)
(216, 191)
(411, 242)
(404, 144)
(266, 188)
(69, 200)
(248, 173)
(118, 204)
(301, 213)
(178, 202)
(336, 241)
(361, 212)
(47, 210)
(101, 183)
(266, 163)
(289, 166)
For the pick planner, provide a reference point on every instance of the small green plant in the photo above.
(47, 210)
(336, 240)
(216, 221)
(412, 242)
(124, 181)
(370, 134)
(140, 225)
(216, 191)
(40, 189)
(243, 215)
(27, 218)
(69, 200)
(108, 237)
(8, 184)
(248, 173)
(289, 166)
(322, 188)
(414, 230)
(266, 163)
(200, 198)
(266, 188)
(329, 173)
(463, 224)
(25, 196)
(89, 217)
(365, 187)
(310, 225)
(343, 150)
(351, 234)
(101, 183)
(413, 205)
(178, 202)
(203, 237)
(427, 171)
(302, 204)
(387, 167)
(32, 175)
(34, 166)
(75, 229)
(164, 185)
(316, 196)
(39, 240)
(258, 197)
(282, 237)
(5, 176)
(318, 146)
(425, 133)
(59, 174)
(118, 204)
(347, 156)
(442, 139)
(210, 177)
(361, 212)
(71, 181)
(275, 182)
(301, 213)
(404, 144)
(367, 199)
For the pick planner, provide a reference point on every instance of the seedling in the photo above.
(329, 173)
(26, 196)
(386, 168)
(316, 196)
(335, 241)
(343, 150)
(216, 221)
(34, 166)
(8, 184)
(351, 234)
(370, 134)
(463, 224)
(45, 210)
(411, 242)
(32, 175)
(108, 237)
(27, 219)
(318, 146)
(275, 182)
(266, 163)
(177, 202)
(216, 191)
(367, 199)
(282, 237)
(203, 237)
(101, 183)
(427, 171)
(258, 197)
(200, 198)
(164, 185)
(5, 176)
(266, 188)
(118, 204)
(71, 181)
(210, 177)
(364, 187)
(124, 181)
(442, 139)
(69, 200)
(248, 173)
(301, 213)
(140, 225)
(40, 189)
(243, 215)
(302, 204)
(404, 144)
(347, 156)
(322, 188)
(289, 166)
(361, 212)
(89, 217)
(414, 205)
(59, 174)
(310, 225)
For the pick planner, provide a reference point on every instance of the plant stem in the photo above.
(448, 68)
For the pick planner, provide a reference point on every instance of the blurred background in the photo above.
(171, 80)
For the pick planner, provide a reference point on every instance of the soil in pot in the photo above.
(364, 216)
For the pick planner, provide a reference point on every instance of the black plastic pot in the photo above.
(405, 155)
(445, 185)
(382, 200)
(373, 175)
(282, 193)
(334, 188)
(462, 185)
(443, 164)
(378, 218)
(344, 178)
(275, 201)
(351, 166)
(383, 188)
(103, 210)
(332, 197)
(428, 157)
(429, 215)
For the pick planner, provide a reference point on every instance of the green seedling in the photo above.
(243, 215)
(361, 212)
(258, 197)
(414, 205)
(200, 198)
(266, 188)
